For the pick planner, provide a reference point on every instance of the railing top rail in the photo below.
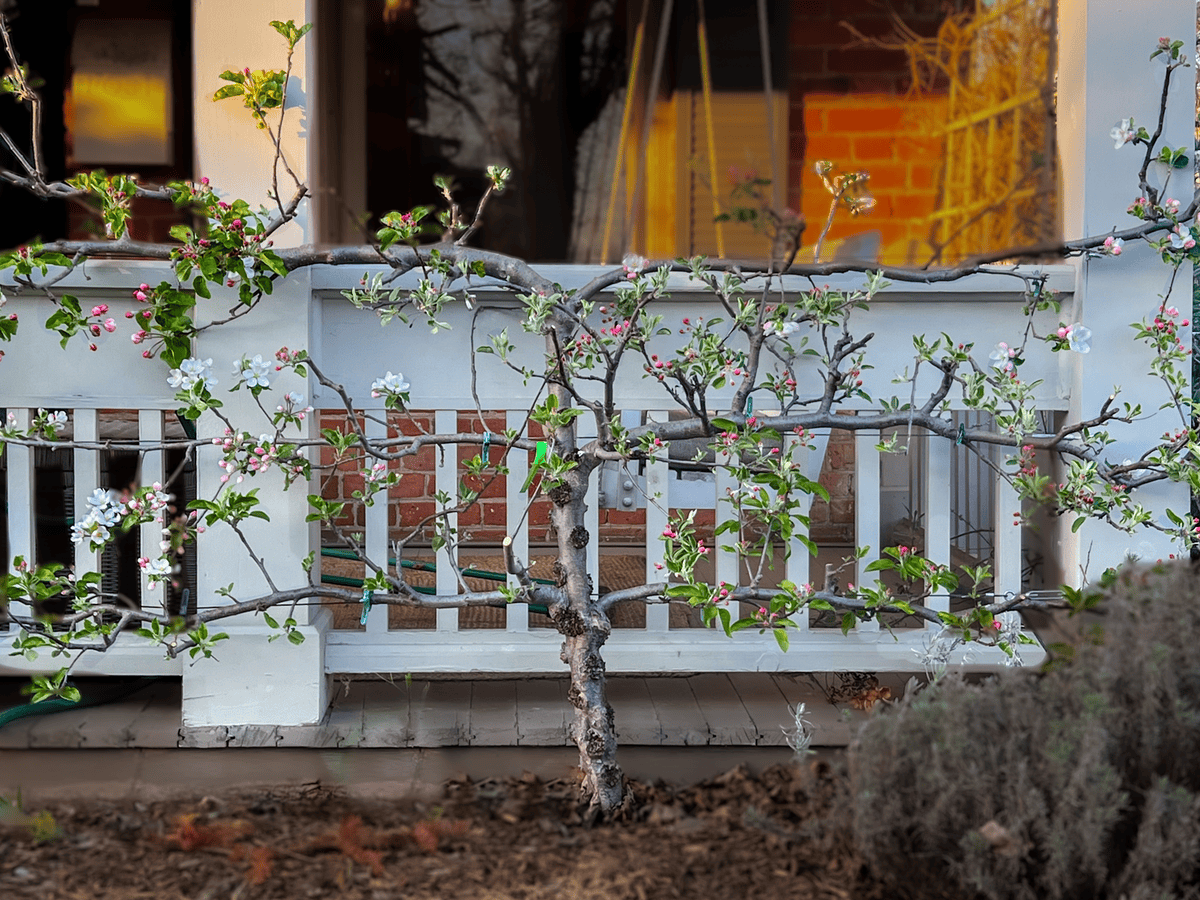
(108, 275)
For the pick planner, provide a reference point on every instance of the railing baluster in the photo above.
(658, 615)
(802, 566)
(21, 514)
(725, 562)
(150, 432)
(446, 422)
(517, 523)
(938, 521)
(376, 522)
(87, 479)
(866, 508)
(585, 434)
(1006, 508)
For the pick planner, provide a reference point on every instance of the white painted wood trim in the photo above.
(938, 519)
(1006, 509)
(446, 421)
(635, 650)
(726, 566)
(22, 520)
(866, 509)
(376, 522)
(87, 479)
(585, 434)
(150, 433)
(516, 617)
(658, 615)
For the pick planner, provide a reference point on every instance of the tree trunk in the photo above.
(585, 629)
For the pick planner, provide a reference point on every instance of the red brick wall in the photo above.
(484, 524)
(890, 137)
(847, 105)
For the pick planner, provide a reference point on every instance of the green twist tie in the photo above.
(539, 457)
(366, 606)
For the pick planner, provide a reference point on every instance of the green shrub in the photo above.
(1082, 781)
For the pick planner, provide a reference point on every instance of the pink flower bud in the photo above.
(100, 309)
(110, 325)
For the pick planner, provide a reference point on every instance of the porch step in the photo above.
(744, 709)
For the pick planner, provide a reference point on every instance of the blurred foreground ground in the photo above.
(735, 836)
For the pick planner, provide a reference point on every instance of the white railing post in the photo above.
(516, 617)
(22, 516)
(87, 479)
(658, 501)
(937, 510)
(585, 433)
(1006, 530)
(867, 530)
(1105, 75)
(256, 681)
(375, 521)
(802, 565)
(725, 562)
(150, 435)
(446, 422)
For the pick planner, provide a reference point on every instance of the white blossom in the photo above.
(1079, 338)
(1122, 133)
(1001, 357)
(389, 384)
(192, 372)
(254, 372)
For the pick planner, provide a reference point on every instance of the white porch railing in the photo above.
(353, 349)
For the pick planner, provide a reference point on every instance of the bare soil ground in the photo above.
(735, 836)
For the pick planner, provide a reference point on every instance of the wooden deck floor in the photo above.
(701, 710)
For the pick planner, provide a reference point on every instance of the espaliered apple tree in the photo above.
(574, 344)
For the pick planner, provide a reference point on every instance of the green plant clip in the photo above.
(487, 446)
(366, 606)
(538, 457)
(962, 435)
(749, 407)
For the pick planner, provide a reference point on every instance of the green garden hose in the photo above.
(109, 694)
(344, 581)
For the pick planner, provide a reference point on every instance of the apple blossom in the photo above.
(1122, 133)
(389, 384)
(1079, 338)
(1181, 238)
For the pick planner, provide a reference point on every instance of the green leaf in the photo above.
(229, 90)
(847, 623)
(296, 637)
(272, 261)
(781, 637)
